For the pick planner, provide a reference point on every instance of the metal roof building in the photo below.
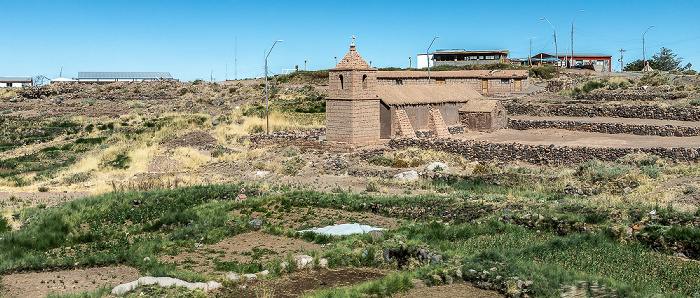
(122, 76)
(16, 81)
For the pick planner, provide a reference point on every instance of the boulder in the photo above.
(407, 176)
(304, 261)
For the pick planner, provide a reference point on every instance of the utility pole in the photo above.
(529, 58)
(427, 56)
(556, 48)
(644, 52)
(304, 65)
(572, 38)
(622, 64)
(211, 76)
(336, 60)
(267, 99)
(409, 62)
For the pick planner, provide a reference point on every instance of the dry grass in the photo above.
(7, 93)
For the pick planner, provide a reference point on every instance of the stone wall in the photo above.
(612, 110)
(609, 128)
(540, 155)
(634, 94)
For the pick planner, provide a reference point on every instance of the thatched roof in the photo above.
(482, 74)
(426, 94)
(352, 60)
(483, 105)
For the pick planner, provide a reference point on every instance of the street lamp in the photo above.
(572, 37)
(644, 52)
(427, 56)
(267, 100)
(556, 49)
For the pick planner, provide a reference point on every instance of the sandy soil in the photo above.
(561, 137)
(449, 291)
(39, 284)
(238, 248)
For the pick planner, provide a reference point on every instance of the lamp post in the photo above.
(572, 37)
(644, 52)
(427, 56)
(556, 48)
(267, 100)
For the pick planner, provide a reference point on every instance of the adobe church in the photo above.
(359, 110)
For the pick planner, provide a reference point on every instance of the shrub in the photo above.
(595, 170)
(43, 188)
(4, 225)
(399, 163)
(653, 78)
(293, 166)
(291, 152)
(592, 85)
(76, 178)
(695, 102)
(652, 171)
(121, 161)
(373, 186)
(381, 161)
(544, 72)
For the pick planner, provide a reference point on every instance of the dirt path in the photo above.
(562, 137)
(39, 284)
(449, 291)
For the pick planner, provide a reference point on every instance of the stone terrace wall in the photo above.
(635, 94)
(609, 128)
(615, 110)
(302, 139)
(540, 155)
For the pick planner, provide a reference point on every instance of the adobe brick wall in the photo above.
(352, 120)
(353, 85)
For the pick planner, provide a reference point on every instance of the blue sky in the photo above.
(193, 39)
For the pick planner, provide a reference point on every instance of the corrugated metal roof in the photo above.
(503, 74)
(577, 55)
(124, 75)
(425, 94)
(16, 79)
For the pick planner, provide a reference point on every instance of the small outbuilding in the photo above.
(483, 115)
(8, 82)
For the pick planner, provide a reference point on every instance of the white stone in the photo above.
(407, 176)
(233, 275)
(163, 282)
(436, 164)
(323, 263)
(264, 272)
(250, 276)
(304, 261)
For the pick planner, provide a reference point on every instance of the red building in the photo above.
(600, 62)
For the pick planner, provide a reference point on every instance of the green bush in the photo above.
(653, 78)
(652, 171)
(592, 85)
(379, 160)
(121, 161)
(695, 102)
(4, 225)
(544, 72)
(595, 170)
(43, 189)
